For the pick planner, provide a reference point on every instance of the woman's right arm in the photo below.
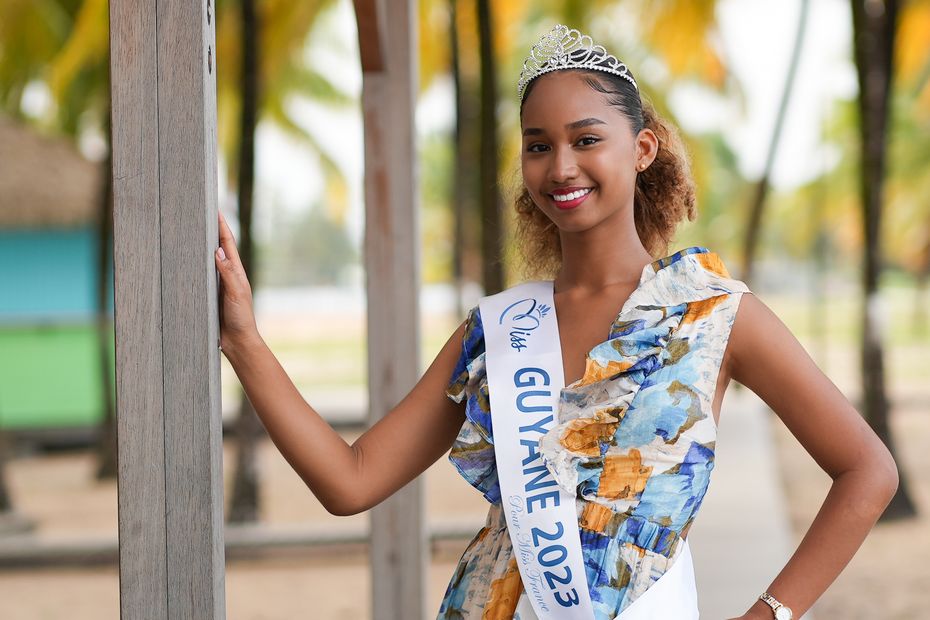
(347, 479)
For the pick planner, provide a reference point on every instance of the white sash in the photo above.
(523, 360)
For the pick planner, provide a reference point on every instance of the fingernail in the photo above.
(222, 254)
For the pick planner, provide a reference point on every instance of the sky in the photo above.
(756, 37)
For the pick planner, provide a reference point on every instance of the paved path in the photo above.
(733, 560)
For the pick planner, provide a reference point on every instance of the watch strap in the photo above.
(775, 604)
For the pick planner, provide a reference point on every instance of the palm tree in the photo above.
(73, 57)
(64, 44)
(463, 184)
(269, 73)
(488, 165)
(756, 207)
(107, 452)
(909, 184)
(244, 503)
(874, 30)
(6, 501)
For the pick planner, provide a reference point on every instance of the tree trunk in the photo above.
(6, 502)
(12, 523)
(244, 505)
(874, 25)
(106, 442)
(492, 233)
(459, 187)
(919, 326)
(756, 207)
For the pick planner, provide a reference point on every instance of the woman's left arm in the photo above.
(764, 356)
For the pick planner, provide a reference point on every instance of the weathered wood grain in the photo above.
(392, 264)
(168, 396)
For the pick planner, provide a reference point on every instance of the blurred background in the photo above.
(810, 151)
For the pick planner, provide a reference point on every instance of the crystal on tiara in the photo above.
(566, 48)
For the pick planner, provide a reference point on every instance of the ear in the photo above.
(647, 147)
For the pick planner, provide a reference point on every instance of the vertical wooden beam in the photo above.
(388, 41)
(168, 400)
(371, 30)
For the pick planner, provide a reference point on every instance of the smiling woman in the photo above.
(585, 408)
(659, 188)
(630, 443)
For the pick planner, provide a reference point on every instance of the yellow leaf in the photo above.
(87, 45)
(912, 43)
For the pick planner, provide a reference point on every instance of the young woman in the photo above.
(606, 181)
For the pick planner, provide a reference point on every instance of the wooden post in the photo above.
(163, 59)
(387, 41)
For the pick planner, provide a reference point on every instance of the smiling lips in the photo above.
(570, 197)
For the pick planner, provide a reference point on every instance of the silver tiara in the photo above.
(566, 48)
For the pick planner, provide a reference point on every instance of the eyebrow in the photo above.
(535, 131)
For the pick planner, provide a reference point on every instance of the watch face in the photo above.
(783, 613)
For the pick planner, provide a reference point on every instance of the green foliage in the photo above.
(721, 193)
(58, 43)
(436, 215)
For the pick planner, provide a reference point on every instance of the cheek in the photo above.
(613, 172)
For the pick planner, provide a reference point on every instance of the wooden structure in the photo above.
(387, 41)
(168, 366)
(168, 391)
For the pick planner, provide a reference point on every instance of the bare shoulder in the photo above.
(763, 354)
(766, 357)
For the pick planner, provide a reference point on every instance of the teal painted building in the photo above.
(50, 363)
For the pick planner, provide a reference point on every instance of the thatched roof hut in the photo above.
(45, 182)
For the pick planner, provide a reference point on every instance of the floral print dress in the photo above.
(633, 440)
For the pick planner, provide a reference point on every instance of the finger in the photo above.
(219, 309)
(232, 275)
(227, 241)
(230, 271)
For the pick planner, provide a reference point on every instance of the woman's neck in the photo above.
(600, 257)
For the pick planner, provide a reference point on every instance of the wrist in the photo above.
(759, 611)
(768, 607)
(235, 344)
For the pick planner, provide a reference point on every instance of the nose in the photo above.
(563, 165)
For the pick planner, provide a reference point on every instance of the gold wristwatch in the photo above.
(781, 611)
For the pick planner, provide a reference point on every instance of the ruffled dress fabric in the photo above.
(634, 441)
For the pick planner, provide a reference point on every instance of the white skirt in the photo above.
(672, 597)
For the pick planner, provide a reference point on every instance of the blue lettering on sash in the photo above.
(532, 453)
(541, 499)
(538, 426)
(535, 404)
(530, 381)
(525, 409)
(524, 317)
(542, 480)
(538, 482)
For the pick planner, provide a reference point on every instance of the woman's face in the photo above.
(579, 155)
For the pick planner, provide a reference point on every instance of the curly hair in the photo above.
(664, 194)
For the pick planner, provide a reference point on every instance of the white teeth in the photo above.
(572, 196)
